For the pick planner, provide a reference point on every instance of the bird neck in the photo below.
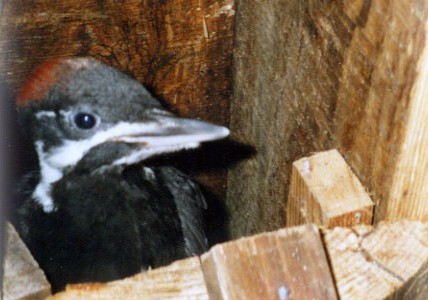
(48, 175)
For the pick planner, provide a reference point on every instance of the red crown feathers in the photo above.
(46, 75)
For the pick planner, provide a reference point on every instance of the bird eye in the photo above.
(85, 120)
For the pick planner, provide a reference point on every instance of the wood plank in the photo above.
(270, 266)
(315, 75)
(389, 261)
(409, 188)
(402, 247)
(325, 191)
(162, 44)
(381, 114)
(23, 278)
(379, 263)
(180, 280)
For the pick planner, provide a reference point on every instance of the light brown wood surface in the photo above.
(382, 109)
(325, 191)
(315, 75)
(180, 280)
(379, 263)
(22, 279)
(409, 187)
(286, 264)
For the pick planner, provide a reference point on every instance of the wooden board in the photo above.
(180, 280)
(316, 75)
(23, 278)
(324, 191)
(270, 266)
(381, 113)
(163, 44)
(389, 261)
(267, 266)
(381, 263)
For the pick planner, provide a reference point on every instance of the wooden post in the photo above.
(382, 109)
(270, 266)
(326, 192)
(23, 279)
(311, 76)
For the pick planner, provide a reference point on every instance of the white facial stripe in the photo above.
(48, 175)
(65, 113)
(72, 151)
(53, 163)
(45, 113)
(42, 194)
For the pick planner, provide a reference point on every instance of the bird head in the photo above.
(81, 111)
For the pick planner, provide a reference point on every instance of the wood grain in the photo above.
(409, 188)
(324, 191)
(181, 50)
(161, 43)
(270, 266)
(416, 288)
(180, 280)
(378, 263)
(380, 119)
(23, 278)
(316, 75)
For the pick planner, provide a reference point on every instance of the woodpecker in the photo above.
(94, 211)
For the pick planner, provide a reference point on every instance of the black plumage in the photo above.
(113, 223)
(94, 211)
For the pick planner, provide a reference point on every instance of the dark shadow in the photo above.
(216, 218)
(210, 157)
(21, 156)
(213, 156)
(4, 194)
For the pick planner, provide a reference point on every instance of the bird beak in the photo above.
(169, 130)
(163, 134)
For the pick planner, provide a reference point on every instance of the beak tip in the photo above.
(218, 132)
(225, 132)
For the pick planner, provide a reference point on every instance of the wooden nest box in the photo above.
(293, 80)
